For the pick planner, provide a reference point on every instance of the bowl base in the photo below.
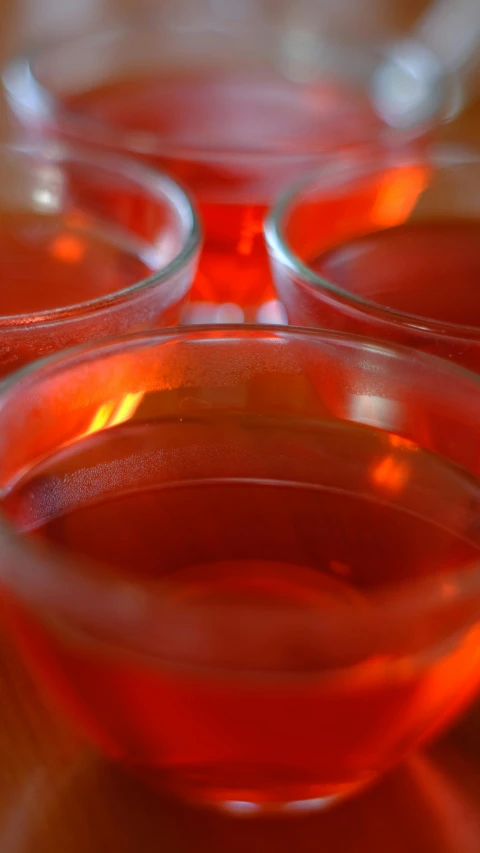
(225, 790)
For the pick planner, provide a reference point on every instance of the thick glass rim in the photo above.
(20, 75)
(156, 183)
(338, 171)
(103, 610)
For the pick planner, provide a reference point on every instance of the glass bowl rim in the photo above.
(20, 71)
(154, 183)
(53, 581)
(442, 156)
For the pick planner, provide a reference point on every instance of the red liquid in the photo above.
(235, 141)
(427, 269)
(324, 514)
(49, 262)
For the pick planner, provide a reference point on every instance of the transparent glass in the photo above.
(234, 108)
(244, 561)
(386, 248)
(90, 246)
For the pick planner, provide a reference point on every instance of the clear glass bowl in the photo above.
(330, 623)
(236, 110)
(387, 248)
(91, 246)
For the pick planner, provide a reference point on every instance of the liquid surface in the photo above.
(295, 516)
(427, 269)
(235, 141)
(49, 262)
(202, 115)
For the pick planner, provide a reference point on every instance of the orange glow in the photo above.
(391, 473)
(398, 196)
(252, 226)
(404, 443)
(126, 408)
(114, 412)
(101, 417)
(68, 248)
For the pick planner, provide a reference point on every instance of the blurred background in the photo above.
(40, 18)
(450, 27)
